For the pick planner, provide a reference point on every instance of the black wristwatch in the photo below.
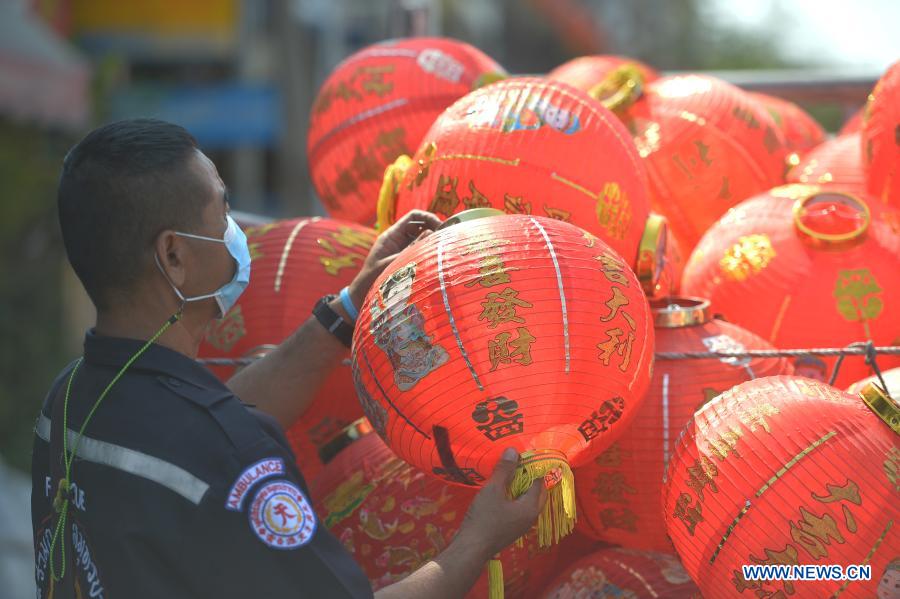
(333, 321)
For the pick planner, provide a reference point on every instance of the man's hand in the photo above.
(494, 520)
(409, 229)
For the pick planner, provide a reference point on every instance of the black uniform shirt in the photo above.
(180, 490)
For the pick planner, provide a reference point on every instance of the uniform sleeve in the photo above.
(259, 537)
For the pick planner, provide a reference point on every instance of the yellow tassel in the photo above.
(557, 519)
(620, 88)
(495, 579)
(390, 187)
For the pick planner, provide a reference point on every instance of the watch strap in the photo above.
(332, 321)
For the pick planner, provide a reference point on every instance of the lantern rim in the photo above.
(471, 214)
(620, 89)
(832, 240)
(880, 402)
(680, 311)
(652, 252)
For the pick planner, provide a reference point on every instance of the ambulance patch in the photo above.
(250, 476)
(281, 516)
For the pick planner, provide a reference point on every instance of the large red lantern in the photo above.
(375, 106)
(504, 331)
(785, 471)
(891, 378)
(586, 72)
(530, 146)
(393, 518)
(801, 131)
(707, 145)
(295, 262)
(619, 492)
(616, 572)
(836, 162)
(818, 271)
(881, 137)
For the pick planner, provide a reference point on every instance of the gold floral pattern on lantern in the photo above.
(858, 296)
(747, 257)
(223, 334)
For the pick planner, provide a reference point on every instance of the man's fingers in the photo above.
(427, 219)
(536, 496)
(505, 469)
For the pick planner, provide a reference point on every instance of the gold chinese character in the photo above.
(515, 205)
(392, 144)
(688, 514)
(722, 444)
(477, 199)
(354, 238)
(491, 272)
(892, 467)
(753, 415)
(365, 166)
(613, 210)
(611, 487)
(558, 213)
(445, 199)
(615, 344)
(612, 269)
(502, 349)
(373, 82)
(622, 518)
(813, 532)
(701, 475)
(850, 493)
(617, 300)
(501, 307)
(787, 557)
(612, 457)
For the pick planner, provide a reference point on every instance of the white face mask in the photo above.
(226, 295)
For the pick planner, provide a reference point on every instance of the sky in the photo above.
(845, 33)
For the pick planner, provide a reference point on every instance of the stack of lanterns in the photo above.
(881, 138)
(619, 492)
(294, 263)
(837, 162)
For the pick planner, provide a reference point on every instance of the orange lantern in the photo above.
(837, 162)
(818, 271)
(585, 72)
(785, 471)
(853, 124)
(504, 331)
(619, 492)
(707, 145)
(881, 137)
(295, 262)
(801, 131)
(393, 518)
(375, 106)
(530, 146)
(891, 378)
(616, 572)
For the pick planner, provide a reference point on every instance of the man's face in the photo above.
(208, 265)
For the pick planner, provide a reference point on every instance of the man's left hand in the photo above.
(416, 225)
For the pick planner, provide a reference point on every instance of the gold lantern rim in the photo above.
(471, 214)
(652, 252)
(832, 240)
(880, 402)
(620, 89)
(680, 311)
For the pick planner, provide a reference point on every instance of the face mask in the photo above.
(236, 243)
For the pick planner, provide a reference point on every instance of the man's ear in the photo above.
(169, 249)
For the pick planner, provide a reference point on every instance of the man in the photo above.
(165, 483)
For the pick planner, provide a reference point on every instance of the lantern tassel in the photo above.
(557, 519)
(495, 579)
(390, 187)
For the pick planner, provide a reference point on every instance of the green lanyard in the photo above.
(62, 498)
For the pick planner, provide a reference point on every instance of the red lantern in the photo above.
(619, 492)
(836, 162)
(853, 124)
(393, 518)
(626, 573)
(891, 378)
(530, 146)
(707, 145)
(504, 331)
(295, 262)
(819, 271)
(586, 72)
(881, 138)
(801, 131)
(784, 471)
(375, 106)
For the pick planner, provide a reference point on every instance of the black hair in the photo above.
(121, 186)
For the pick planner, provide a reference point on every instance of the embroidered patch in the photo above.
(281, 516)
(250, 476)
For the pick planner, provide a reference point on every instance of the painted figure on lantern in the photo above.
(889, 583)
(811, 367)
(398, 329)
